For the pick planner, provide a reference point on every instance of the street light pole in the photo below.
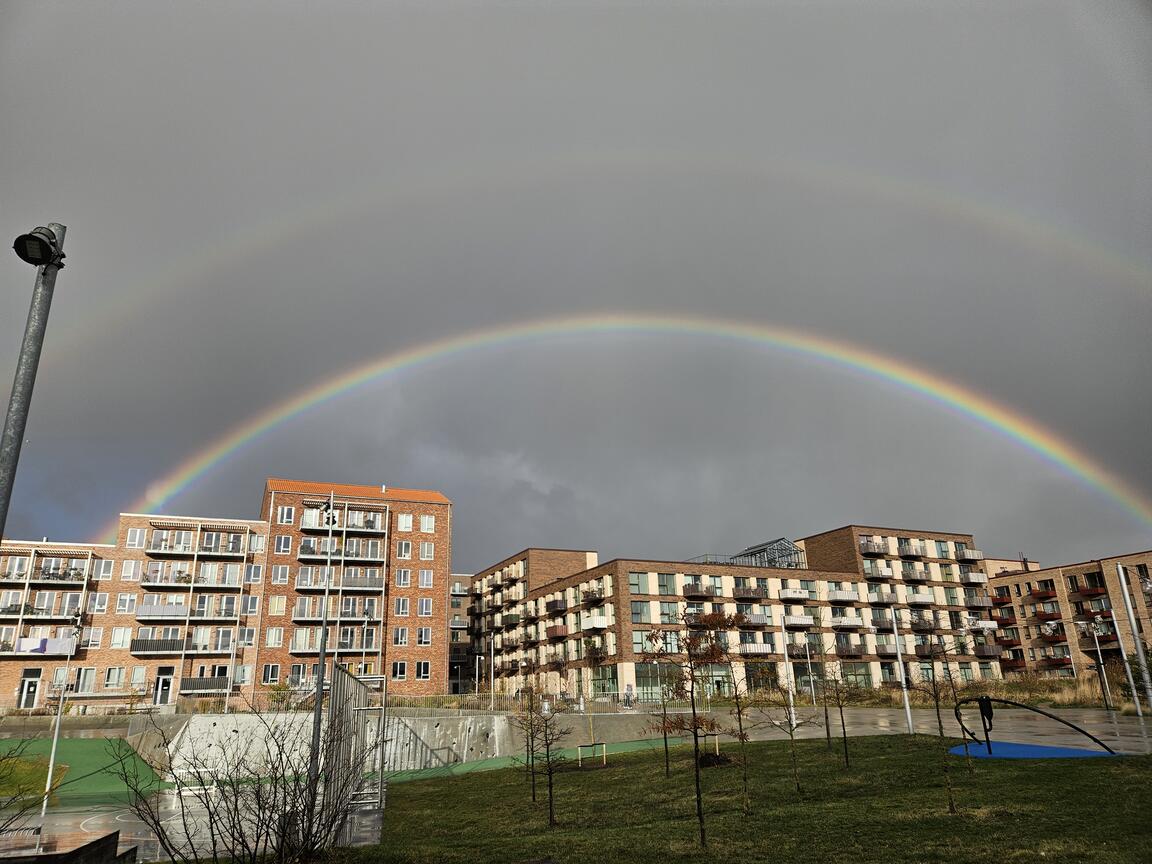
(903, 673)
(317, 712)
(43, 247)
(77, 628)
(1093, 628)
(1137, 642)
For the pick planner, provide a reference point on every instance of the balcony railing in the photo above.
(987, 650)
(977, 601)
(754, 619)
(697, 589)
(558, 631)
(799, 621)
(166, 548)
(912, 549)
(30, 646)
(1043, 594)
(919, 598)
(871, 547)
(849, 649)
(221, 684)
(843, 597)
(793, 594)
(592, 596)
(881, 598)
(974, 577)
(1002, 599)
(509, 620)
(1012, 664)
(926, 650)
(914, 574)
(594, 622)
(159, 646)
(923, 625)
(877, 572)
(555, 607)
(969, 555)
(167, 610)
(798, 650)
(750, 592)
(884, 649)
(1048, 616)
(845, 621)
(755, 649)
(185, 580)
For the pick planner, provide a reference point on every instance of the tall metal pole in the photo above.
(790, 686)
(492, 674)
(903, 674)
(314, 756)
(17, 417)
(76, 630)
(1100, 668)
(1137, 642)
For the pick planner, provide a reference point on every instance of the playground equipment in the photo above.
(986, 714)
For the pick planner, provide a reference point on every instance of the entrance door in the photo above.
(163, 692)
(29, 688)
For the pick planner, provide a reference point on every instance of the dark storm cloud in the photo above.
(261, 196)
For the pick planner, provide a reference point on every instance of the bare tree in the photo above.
(775, 706)
(841, 692)
(21, 789)
(525, 720)
(671, 687)
(243, 793)
(937, 687)
(545, 719)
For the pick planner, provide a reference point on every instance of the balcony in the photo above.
(697, 589)
(1053, 638)
(921, 598)
(165, 549)
(880, 622)
(755, 649)
(1012, 664)
(914, 574)
(843, 597)
(594, 622)
(1056, 662)
(169, 611)
(60, 647)
(881, 598)
(884, 649)
(926, 650)
(45, 613)
(753, 620)
(509, 619)
(1048, 616)
(54, 576)
(222, 550)
(798, 650)
(1002, 599)
(1044, 594)
(375, 525)
(799, 621)
(849, 649)
(510, 645)
(977, 601)
(847, 621)
(362, 583)
(1008, 642)
(969, 555)
(194, 686)
(876, 573)
(923, 625)
(557, 631)
(694, 619)
(511, 577)
(750, 592)
(912, 549)
(592, 596)
(555, 607)
(1004, 620)
(793, 594)
(556, 659)
(159, 646)
(167, 581)
(988, 651)
(984, 624)
(1093, 591)
(973, 577)
(872, 547)
(207, 648)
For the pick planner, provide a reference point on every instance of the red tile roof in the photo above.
(348, 490)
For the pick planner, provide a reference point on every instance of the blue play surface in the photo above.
(1008, 750)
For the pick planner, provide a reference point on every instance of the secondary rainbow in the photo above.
(835, 353)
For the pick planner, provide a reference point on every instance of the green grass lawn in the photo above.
(890, 807)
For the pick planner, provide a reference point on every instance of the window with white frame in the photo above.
(399, 670)
(271, 674)
(403, 521)
(402, 607)
(424, 607)
(114, 678)
(283, 544)
(275, 637)
(427, 524)
(254, 574)
(399, 636)
(280, 574)
(125, 604)
(90, 637)
(244, 674)
(259, 543)
(427, 550)
(130, 571)
(423, 670)
(403, 578)
(246, 637)
(121, 637)
(135, 538)
(404, 549)
(276, 605)
(103, 569)
(425, 578)
(285, 515)
(423, 635)
(249, 605)
(97, 603)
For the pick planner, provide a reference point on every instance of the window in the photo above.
(246, 637)
(425, 578)
(427, 524)
(283, 544)
(402, 607)
(253, 574)
(90, 637)
(403, 521)
(276, 605)
(135, 538)
(104, 569)
(125, 604)
(130, 571)
(399, 636)
(423, 670)
(139, 676)
(97, 603)
(427, 550)
(280, 574)
(399, 670)
(404, 549)
(271, 674)
(285, 515)
(275, 637)
(403, 578)
(666, 583)
(244, 674)
(942, 549)
(640, 642)
(249, 605)
(638, 583)
(121, 636)
(114, 678)
(423, 635)
(640, 612)
(424, 607)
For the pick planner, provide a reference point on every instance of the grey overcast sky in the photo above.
(260, 196)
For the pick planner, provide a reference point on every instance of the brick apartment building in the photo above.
(558, 620)
(217, 608)
(1044, 614)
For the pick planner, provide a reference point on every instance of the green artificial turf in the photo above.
(83, 764)
(890, 807)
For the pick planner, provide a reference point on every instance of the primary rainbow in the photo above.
(837, 353)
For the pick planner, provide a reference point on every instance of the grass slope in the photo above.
(890, 807)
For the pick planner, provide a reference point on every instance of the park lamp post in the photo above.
(43, 248)
(1095, 627)
(77, 629)
(328, 508)
(900, 668)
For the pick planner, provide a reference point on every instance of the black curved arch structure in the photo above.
(985, 703)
